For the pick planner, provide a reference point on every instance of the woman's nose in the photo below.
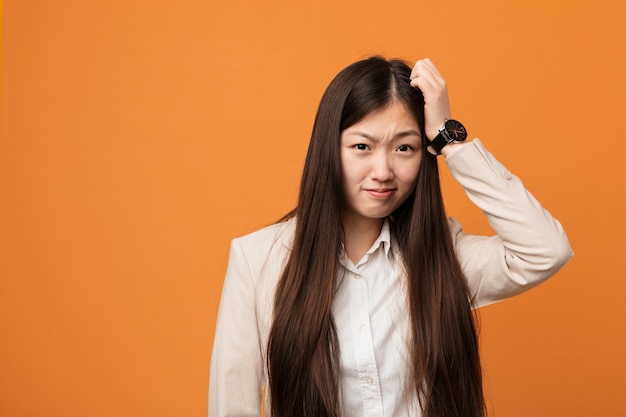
(382, 170)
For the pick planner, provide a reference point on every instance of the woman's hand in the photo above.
(427, 78)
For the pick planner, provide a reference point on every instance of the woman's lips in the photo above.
(380, 193)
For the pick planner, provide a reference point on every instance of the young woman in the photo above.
(359, 303)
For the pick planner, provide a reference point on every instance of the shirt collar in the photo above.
(383, 239)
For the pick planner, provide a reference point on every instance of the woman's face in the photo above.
(380, 159)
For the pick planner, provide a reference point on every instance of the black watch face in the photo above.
(456, 130)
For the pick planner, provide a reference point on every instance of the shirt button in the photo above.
(362, 327)
(369, 380)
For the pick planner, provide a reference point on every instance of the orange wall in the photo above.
(138, 137)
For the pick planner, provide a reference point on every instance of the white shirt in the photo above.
(372, 326)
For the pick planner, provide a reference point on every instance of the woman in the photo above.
(359, 303)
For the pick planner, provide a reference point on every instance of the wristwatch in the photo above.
(452, 131)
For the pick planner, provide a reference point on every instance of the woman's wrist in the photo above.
(451, 148)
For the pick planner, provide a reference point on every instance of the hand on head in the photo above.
(427, 78)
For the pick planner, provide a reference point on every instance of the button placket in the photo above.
(364, 349)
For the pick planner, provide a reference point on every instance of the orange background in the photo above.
(138, 137)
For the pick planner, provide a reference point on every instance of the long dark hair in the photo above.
(303, 351)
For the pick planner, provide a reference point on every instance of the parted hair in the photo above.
(303, 351)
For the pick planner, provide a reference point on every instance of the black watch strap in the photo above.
(441, 140)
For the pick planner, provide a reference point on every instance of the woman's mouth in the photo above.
(380, 193)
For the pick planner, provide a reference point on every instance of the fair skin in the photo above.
(381, 156)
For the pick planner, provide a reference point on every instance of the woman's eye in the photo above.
(404, 148)
(361, 146)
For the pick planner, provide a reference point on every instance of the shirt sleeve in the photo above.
(529, 246)
(236, 376)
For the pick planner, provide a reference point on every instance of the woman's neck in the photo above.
(359, 234)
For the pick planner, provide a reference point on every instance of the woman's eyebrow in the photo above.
(363, 134)
(399, 135)
(405, 133)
